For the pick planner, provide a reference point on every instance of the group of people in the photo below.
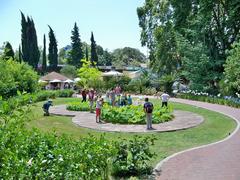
(114, 98)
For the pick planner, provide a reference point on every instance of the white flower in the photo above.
(29, 163)
(44, 161)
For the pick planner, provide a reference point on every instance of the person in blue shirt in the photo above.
(46, 107)
(129, 100)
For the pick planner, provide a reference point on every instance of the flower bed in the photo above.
(228, 101)
(135, 114)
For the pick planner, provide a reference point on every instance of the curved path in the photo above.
(182, 120)
(217, 161)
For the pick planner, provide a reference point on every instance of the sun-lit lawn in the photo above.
(215, 127)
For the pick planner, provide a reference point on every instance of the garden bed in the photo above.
(126, 114)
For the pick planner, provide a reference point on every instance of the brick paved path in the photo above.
(182, 120)
(218, 161)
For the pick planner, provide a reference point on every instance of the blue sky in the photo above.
(113, 22)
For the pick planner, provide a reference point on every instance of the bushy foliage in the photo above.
(69, 71)
(78, 106)
(111, 82)
(232, 70)
(15, 77)
(134, 114)
(90, 77)
(33, 155)
(29, 154)
(132, 158)
(24, 99)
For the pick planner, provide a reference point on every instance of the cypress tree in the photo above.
(76, 53)
(30, 51)
(86, 53)
(19, 54)
(44, 60)
(52, 51)
(94, 57)
(34, 51)
(8, 51)
(24, 37)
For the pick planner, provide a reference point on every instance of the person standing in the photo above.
(112, 97)
(129, 100)
(99, 104)
(91, 99)
(165, 97)
(148, 109)
(118, 90)
(84, 95)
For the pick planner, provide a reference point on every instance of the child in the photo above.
(99, 104)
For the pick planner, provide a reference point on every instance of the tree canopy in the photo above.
(128, 56)
(209, 28)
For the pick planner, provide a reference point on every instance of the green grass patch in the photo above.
(215, 127)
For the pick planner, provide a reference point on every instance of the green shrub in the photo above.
(133, 157)
(65, 93)
(78, 106)
(15, 77)
(134, 114)
(30, 154)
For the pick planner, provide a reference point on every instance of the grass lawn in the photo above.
(215, 127)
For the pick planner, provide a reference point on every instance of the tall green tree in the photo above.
(127, 56)
(76, 54)
(209, 26)
(44, 56)
(30, 51)
(94, 56)
(8, 51)
(86, 53)
(52, 51)
(24, 39)
(19, 54)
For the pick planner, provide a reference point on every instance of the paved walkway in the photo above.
(182, 120)
(218, 161)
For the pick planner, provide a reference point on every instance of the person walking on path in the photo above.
(148, 109)
(99, 104)
(91, 99)
(84, 95)
(165, 97)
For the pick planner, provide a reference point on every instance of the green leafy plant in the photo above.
(78, 106)
(134, 114)
(133, 157)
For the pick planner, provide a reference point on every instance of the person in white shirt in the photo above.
(165, 97)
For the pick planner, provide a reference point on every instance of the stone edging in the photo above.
(183, 120)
